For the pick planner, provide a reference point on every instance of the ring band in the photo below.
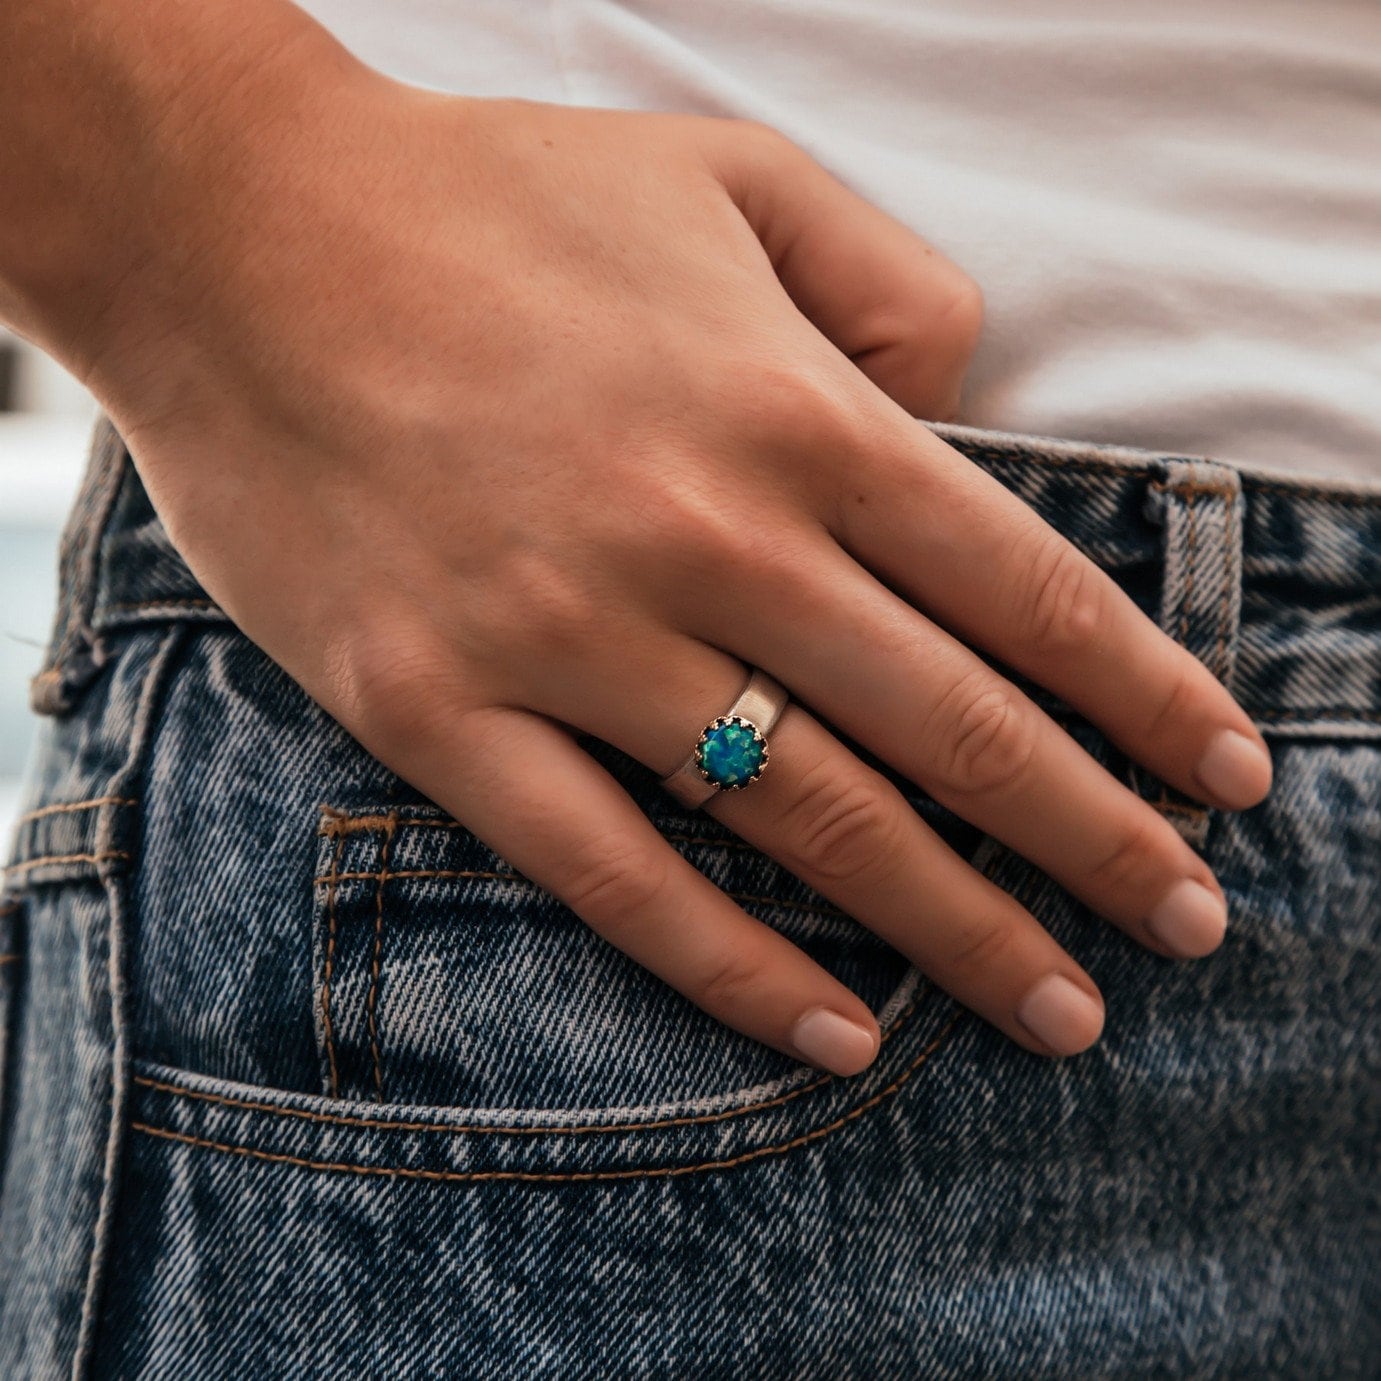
(731, 751)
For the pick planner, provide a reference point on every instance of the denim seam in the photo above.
(483, 874)
(372, 1000)
(477, 1129)
(1250, 480)
(1188, 597)
(330, 960)
(940, 1040)
(143, 728)
(1219, 667)
(64, 858)
(66, 806)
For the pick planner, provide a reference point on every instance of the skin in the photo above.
(491, 421)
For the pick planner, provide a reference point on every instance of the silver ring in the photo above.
(731, 751)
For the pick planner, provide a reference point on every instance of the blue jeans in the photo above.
(301, 1079)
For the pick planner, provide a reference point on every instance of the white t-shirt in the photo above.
(1173, 206)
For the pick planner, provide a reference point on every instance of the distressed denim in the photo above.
(300, 1079)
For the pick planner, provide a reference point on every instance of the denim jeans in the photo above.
(300, 1079)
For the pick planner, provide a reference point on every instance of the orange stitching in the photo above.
(374, 966)
(79, 805)
(343, 1119)
(376, 1124)
(429, 873)
(1308, 491)
(330, 959)
(335, 824)
(1189, 489)
(9, 958)
(518, 877)
(659, 1172)
(64, 858)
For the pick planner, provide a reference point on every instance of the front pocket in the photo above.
(443, 976)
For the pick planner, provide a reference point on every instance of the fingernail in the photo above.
(1189, 920)
(832, 1042)
(1061, 1015)
(1235, 769)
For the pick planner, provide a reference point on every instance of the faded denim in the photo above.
(302, 1080)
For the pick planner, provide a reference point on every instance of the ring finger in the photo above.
(846, 831)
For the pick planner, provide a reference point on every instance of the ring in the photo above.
(731, 751)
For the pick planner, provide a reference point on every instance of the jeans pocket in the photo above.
(443, 976)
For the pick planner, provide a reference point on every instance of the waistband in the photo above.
(1272, 580)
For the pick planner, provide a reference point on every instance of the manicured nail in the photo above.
(1189, 920)
(1235, 769)
(1061, 1015)
(832, 1042)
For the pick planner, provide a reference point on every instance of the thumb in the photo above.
(907, 316)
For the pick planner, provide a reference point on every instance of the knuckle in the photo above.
(1174, 711)
(1066, 600)
(546, 609)
(961, 319)
(842, 828)
(800, 404)
(731, 982)
(984, 741)
(383, 680)
(763, 138)
(702, 523)
(978, 948)
(617, 890)
(1135, 861)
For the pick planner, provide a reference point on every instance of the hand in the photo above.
(492, 420)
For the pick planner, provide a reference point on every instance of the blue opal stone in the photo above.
(730, 754)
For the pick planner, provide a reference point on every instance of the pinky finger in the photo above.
(522, 785)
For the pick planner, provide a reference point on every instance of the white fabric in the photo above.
(1174, 209)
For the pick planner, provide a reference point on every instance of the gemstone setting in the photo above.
(731, 752)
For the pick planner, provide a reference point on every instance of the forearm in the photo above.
(130, 127)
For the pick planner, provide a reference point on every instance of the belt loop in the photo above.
(1200, 506)
(74, 653)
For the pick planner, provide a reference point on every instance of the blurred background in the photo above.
(46, 418)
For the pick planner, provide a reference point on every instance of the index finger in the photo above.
(966, 550)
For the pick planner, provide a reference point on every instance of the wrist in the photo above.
(134, 163)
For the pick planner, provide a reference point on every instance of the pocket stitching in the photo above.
(937, 1043)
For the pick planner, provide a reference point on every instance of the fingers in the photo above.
(906, 315)
(928, 705)
(973, 556)
(522, 785)
(846, 831)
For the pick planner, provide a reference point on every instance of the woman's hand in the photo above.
(492, 420)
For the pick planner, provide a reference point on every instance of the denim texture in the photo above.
(300, 1079)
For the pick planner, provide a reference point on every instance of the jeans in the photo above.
(300, 1079)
